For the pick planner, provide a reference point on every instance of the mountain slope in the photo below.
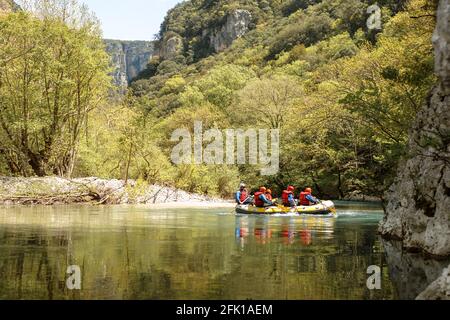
(342, 95)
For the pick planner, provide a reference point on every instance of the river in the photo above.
(128, 252)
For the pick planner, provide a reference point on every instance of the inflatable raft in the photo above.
(324, 208)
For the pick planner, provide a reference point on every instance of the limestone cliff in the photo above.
(439, 289)
(7, 6)
(418, 204)
(171, 46)
(236, 25)
(128, 59)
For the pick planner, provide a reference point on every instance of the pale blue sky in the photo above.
(130, 19)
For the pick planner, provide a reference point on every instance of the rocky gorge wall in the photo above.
(418, 203)
(237, 24)
(128, 59)
(8, 6)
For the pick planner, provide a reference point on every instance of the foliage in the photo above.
(53, 73)
(344, 102)
(344, 98)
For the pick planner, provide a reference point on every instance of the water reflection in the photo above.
(411, 273)
(303, 230)
(137, 253)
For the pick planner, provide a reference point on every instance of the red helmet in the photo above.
(290, 188)
(308, 190)
(269, 191)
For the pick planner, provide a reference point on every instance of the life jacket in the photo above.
(303, 200)
(244, 196)
(258, 201)
(285, 197)
(269, 196)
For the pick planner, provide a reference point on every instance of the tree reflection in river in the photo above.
(137, 253)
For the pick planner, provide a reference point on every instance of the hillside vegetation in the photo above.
(343, 97)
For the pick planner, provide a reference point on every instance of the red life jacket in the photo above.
(244, 196)
(258, 201)
(303, 200)
(285, 197)
(269, 197)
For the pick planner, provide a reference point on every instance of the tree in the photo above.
(269, 102)
(53, 73)
(220, 84)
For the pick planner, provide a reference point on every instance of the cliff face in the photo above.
(128, 58)
(171, 47)
(418, 207)
(7, 6)
(236, 25)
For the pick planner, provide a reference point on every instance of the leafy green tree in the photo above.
(221, 84)
(268, 102)
(53, 73)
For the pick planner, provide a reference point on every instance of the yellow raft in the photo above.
(324, 208)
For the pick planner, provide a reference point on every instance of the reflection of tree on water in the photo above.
(290, 229)
(41, 265)
(186, 255)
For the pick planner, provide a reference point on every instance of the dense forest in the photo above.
(343, 96)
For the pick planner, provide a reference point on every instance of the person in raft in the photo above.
(261, 200)
(289, 198)
(307, 199)
(269, 195)
(242, 196)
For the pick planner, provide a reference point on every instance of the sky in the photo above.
(130, 19)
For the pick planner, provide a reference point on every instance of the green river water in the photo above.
(139, 253)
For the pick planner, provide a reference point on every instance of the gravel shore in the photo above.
(55, 190)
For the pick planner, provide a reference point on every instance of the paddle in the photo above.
(245, 201)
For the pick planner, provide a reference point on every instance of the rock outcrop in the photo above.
(236, 25)
(418, 204)
(129, 58)
(171, 46)
(7, 6)
(439, 289)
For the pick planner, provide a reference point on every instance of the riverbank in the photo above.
(55, 190)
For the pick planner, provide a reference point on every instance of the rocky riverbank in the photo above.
(418, 205)
(54, 190)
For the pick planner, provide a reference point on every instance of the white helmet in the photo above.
(242, 185)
